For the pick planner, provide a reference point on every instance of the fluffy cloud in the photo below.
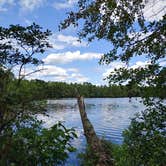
(113, 66)
(73, 70)
(140, 64)
(61, 41)
(30, 4)
(65, 4)
(26, 5)
(55, 44)
(78, 77)
(154, 10)
(55, 73)
(71, 40)
(117, 65)
(163, 63)
(3, 4)
(67, 57)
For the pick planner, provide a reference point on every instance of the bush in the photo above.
(145, 139)
(26, 143)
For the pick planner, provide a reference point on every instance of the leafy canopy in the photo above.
(130, 33)
(123, 24)
(19, 45)
(23, 140)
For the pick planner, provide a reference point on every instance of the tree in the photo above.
(19, 44)
(17, 48)
(23, 140)
(124, 25)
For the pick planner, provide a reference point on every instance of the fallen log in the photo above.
(95, 144)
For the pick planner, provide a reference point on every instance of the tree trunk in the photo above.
(95, 144)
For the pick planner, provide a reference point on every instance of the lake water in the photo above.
(109, 116)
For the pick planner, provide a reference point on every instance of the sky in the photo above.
(68, 60)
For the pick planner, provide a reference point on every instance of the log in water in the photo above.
(95, 144)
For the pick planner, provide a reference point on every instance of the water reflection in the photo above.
(109, 116)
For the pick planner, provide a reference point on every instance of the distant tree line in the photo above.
(39, 89)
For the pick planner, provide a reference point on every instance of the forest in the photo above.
(40, 90)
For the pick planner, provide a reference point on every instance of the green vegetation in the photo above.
(118, 152)
(23, 141)
(88, 157)
(123, 24)
(145, 139)
(39, 89)
(30, 144)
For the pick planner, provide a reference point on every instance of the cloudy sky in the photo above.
(68, 60)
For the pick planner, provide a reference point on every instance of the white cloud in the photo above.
(163, 63)
(73, 70)
(117, 65)
(71, 40)
(154, 9)
(4, 3)
(48, 72)
(113, 66)
(60, 41)
(67, 57)
(26, 5)
(13, 42)
(65, 4)
(140, 64)
(55, 73)
(29, 5)
(3, 9)
(79, 77)
(55, 44)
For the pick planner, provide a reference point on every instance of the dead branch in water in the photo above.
(95, 144)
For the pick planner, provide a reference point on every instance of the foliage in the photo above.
(145, 139)
(30, 144)
(120, 156)
(88, 157)
(40, 89)
(17, 48)
(122, 23)
(19, 44)
(23, 140)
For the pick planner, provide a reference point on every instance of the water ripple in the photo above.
(109, 116)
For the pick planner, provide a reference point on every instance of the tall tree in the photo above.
(23, 140)
(19, 45)
(17, 48)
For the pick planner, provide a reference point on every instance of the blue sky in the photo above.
(68, 60)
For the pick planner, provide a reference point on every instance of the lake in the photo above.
(109, 116)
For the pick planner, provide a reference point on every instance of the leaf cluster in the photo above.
(123, 25)
(23, 140)
(31, 144)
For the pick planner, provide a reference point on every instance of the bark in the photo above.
(95, 144)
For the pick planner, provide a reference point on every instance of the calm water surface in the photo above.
(109, 116)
